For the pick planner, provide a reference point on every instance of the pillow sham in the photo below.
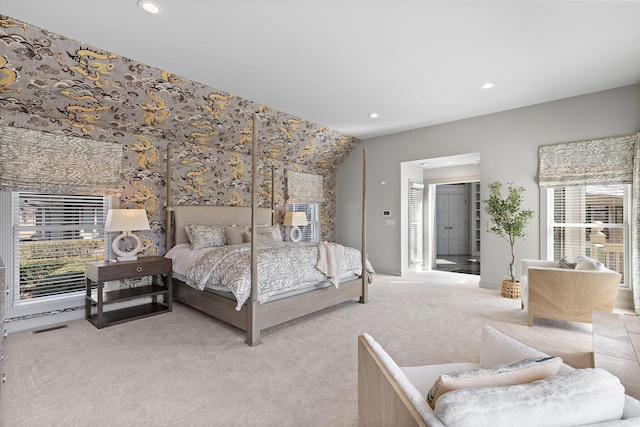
(589, 264)
(233, 234)
(261, 237)
(205, 236)
(273, 230)
(524, 371)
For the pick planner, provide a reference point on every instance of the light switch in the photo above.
(390, 222)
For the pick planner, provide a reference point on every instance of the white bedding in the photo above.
(283, 267)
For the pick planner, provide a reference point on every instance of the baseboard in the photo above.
(388, 272)
(487, 285)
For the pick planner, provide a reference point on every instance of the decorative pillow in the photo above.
(273, 230)
(589, 264)
(524, 371)
(261, 237)
(580, 397)
(233, 234)
(205, 236)
(564, 263)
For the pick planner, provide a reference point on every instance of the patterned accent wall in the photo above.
(51, 83)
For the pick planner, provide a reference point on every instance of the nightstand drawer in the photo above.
(143, 266)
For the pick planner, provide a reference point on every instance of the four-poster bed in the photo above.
(252, 315)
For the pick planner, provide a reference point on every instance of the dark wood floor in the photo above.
(459, 264)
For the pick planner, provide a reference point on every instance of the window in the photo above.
(54, 236)
(416, 202)
(591, 220)
(310, 232)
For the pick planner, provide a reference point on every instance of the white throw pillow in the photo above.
(589, 264)
(582, 396)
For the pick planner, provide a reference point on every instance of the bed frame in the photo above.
(253, 316)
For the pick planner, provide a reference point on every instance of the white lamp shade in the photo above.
(126, 220)
(295, 219)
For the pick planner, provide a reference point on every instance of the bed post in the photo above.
(253, 320)
(168, 236)
(364, 297)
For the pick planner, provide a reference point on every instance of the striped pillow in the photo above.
(564, 263)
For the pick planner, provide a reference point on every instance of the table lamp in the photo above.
(295, 220)
(126, 221)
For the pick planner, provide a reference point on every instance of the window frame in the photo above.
(16, 307)
(547, 230)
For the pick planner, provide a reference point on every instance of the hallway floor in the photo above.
(459, 264)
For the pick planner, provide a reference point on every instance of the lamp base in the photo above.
(295, 234)
(128, 255)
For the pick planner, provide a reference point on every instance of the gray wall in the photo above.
(508, 145)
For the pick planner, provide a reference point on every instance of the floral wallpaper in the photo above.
(51, 83)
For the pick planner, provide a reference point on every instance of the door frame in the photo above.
(430, 214)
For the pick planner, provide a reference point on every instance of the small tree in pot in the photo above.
(509, 222)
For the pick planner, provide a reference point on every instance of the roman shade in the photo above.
(33, 161)
(304, 187)
(593, 162)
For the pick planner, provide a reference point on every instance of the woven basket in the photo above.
(510, 289)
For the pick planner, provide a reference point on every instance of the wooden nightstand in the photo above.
(104, 271)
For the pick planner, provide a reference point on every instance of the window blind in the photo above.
(416, 203)
(304, 188)
(54, 236)
(594, 162)
(58, 164)
(592, 220)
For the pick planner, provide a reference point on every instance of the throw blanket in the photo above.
(281, 266)
(330, 260)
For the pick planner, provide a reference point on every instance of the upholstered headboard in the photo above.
(209, 215)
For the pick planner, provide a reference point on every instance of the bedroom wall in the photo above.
(55, 84)
(508, 144)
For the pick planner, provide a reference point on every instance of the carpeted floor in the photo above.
(187, 369)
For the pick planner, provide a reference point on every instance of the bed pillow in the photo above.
(205, 236)
(233, 234)
(272, 230)
(261, 237)
(524, 371)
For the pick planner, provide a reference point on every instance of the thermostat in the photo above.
(386, 213)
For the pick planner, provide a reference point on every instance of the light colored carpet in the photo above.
(187, 369)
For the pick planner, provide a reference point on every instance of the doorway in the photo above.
(457, 228)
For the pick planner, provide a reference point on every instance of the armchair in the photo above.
(567, 294)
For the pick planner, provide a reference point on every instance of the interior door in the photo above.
(442, 224)
(451, 224)
(457, 215)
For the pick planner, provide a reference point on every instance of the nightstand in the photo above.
(104, 271)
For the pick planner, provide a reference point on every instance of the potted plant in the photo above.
(509, 221)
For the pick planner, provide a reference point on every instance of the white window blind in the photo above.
(54, 236)
(592, 220)
(310, 232)
(416, 198)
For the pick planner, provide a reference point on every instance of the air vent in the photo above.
(39, 331)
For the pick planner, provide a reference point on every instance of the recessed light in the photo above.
(487, 85)
(450, 162)
(150, 7)
(373, 115)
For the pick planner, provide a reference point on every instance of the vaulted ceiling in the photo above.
(414, 63)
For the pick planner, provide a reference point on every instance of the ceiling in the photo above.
(333, 62)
